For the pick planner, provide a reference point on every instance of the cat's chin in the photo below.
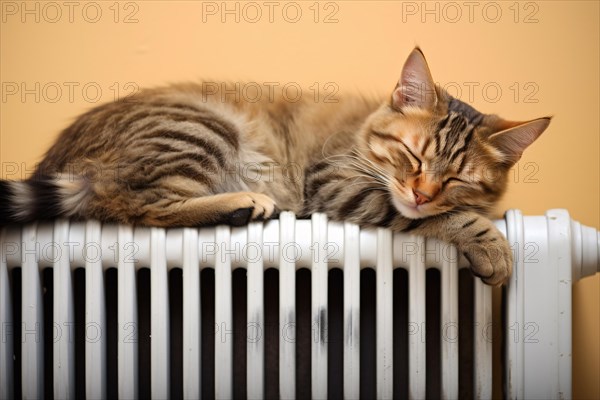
(412, 211)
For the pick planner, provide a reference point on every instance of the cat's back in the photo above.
(112, 130)
(225, 115)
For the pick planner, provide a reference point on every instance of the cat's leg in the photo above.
(174, 190)
(475, 236)
(345, 196)
(236, 209)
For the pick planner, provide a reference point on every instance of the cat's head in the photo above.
(435, 152)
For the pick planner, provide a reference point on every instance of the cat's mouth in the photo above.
(412, 210)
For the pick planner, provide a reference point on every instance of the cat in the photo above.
(419, 161)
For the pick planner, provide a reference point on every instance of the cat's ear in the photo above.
(516, 137)
(415, 87)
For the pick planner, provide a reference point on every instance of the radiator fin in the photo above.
(64, 317)
(351, 311)
(32, 318)
(256, 317)
(223, 315)
(127, 345)
(319, 325)
(159, 289)
(287, 306)
(416, 317)
(449, 323)
(385, 316)
(96, 329)
(191, 315)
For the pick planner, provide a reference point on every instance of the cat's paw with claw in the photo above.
(251, 207)
(490, 257)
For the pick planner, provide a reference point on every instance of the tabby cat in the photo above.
(420, 161)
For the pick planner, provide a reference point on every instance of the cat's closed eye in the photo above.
(454, 180)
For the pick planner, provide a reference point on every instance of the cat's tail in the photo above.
(41, 197)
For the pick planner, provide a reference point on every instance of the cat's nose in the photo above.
(421, 198)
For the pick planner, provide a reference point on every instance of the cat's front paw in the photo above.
(490, 257)
(252, 206)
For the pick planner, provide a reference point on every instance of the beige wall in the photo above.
(533, 59)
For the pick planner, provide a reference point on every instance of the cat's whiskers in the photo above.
(364, 161)
(370, 184)
(365, 180)
(377, 197)
(359, 165)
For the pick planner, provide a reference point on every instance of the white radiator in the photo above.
(551, 252)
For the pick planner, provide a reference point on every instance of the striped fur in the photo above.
(420, 162)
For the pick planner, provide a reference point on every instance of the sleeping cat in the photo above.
(419, 161)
